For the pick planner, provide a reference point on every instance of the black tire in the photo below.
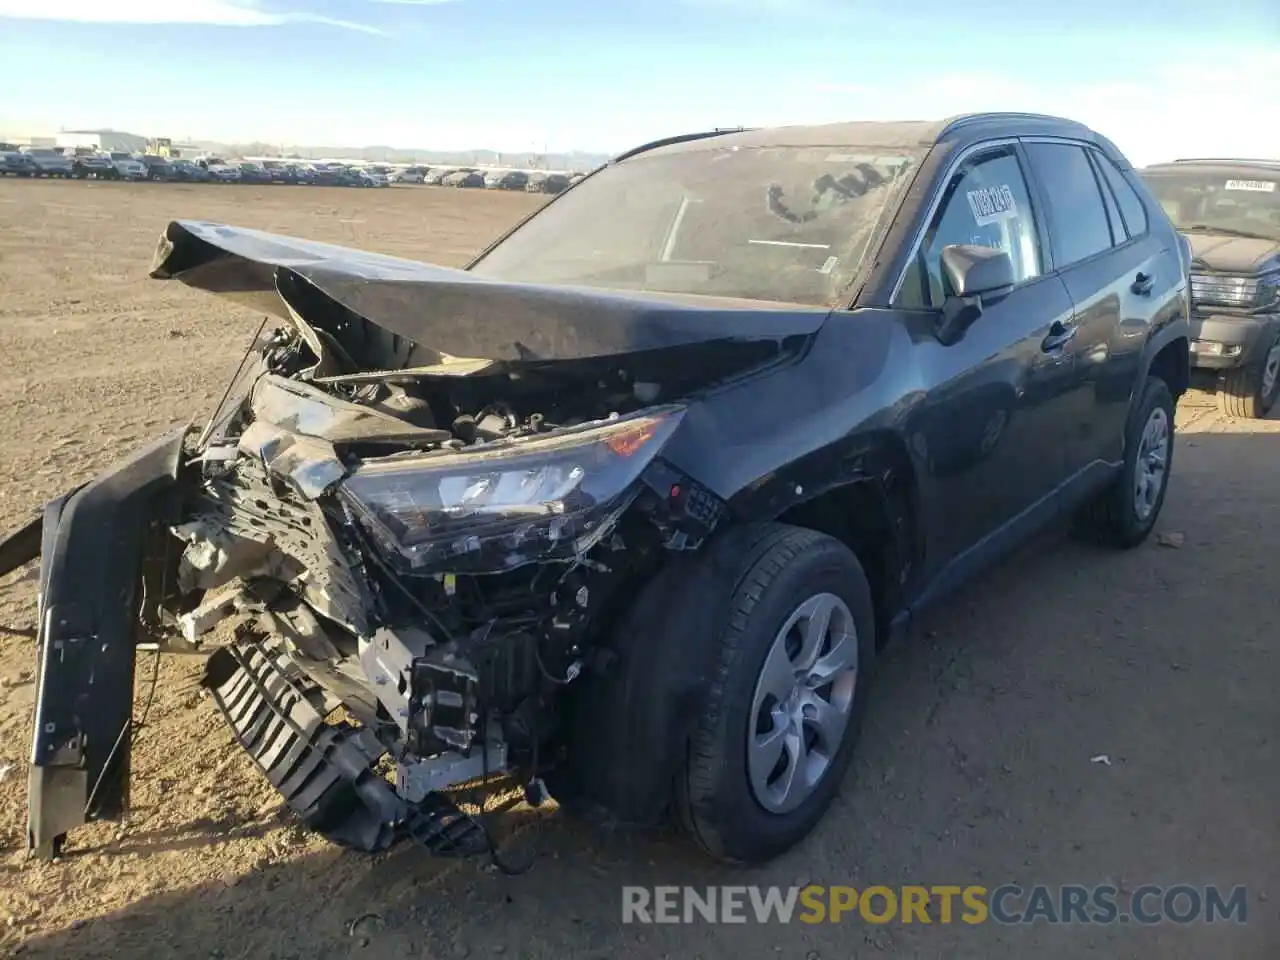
(714, 801)
(1241, 393)
(1112, 519)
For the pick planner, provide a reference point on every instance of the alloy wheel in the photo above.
(802, 703)
(1151, 472)
(1271, 373)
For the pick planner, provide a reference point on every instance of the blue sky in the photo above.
(1161, 77)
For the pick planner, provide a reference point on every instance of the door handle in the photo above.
(1060, 334)
(1143, 284)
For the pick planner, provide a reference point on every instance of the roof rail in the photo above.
(965, 119)
(1226, 160)
(681, 138)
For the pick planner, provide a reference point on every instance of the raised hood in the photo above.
(426, 315)
(1241, 255)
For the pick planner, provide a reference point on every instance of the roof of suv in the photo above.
(957, 130)
(1232, 163)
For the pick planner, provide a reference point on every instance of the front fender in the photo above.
(630, 717)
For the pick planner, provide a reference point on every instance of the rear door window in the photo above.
(1135, 214)
(1119, 234)
(1078, 225)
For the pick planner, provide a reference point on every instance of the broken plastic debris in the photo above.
(1172, 539)
(1101, 758)
(5, 768)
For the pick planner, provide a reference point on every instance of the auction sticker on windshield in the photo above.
(992, 204)
(1256, 186)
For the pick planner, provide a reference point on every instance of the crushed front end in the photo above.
(433, 588)
(403, 604)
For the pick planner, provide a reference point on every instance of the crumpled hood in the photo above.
(1231, 254)
(452, 312)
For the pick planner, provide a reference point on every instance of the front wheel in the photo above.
(1250, 392)
(778, 727)
(1124, 514)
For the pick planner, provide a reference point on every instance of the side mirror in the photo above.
(972, 272)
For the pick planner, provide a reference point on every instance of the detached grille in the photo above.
(1224, 291)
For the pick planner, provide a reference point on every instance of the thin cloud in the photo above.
(331, 22)
(788, 7)
(853, 88)
(415, 3)
(218, 13)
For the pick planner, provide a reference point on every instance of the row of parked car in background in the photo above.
(84, 164)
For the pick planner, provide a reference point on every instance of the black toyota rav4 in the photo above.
(1230, 212)
(622, 512)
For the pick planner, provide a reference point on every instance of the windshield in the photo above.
(786, 224)
(1240, 202)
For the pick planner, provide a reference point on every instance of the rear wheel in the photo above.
(1250, 392)
(1124, 514)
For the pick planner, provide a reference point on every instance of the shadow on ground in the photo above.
(977, 766)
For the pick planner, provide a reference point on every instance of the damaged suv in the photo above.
(622, 512)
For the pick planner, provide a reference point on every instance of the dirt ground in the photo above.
(977, 763)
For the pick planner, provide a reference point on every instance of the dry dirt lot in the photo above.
(976, 759)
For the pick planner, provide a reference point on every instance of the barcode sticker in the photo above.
(1254, 186)
(992, 204)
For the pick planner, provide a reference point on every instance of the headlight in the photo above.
(506, 504)
(1245, 292)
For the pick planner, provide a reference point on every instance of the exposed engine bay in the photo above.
(433, 565)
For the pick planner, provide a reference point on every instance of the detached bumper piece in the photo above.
(325, 771)
(98, 547)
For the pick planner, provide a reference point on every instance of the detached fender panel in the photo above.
(94, 543)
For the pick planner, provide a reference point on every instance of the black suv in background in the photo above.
(158, 168)
(1229, 210)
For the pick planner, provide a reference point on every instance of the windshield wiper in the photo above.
(1207, 228)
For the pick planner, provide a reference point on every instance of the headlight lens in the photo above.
(1227, 291)
(1245, 292)
(497, 507)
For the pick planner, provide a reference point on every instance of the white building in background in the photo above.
(108, 141)
(26, 137)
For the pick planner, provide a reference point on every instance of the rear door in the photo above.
(1115, 271)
